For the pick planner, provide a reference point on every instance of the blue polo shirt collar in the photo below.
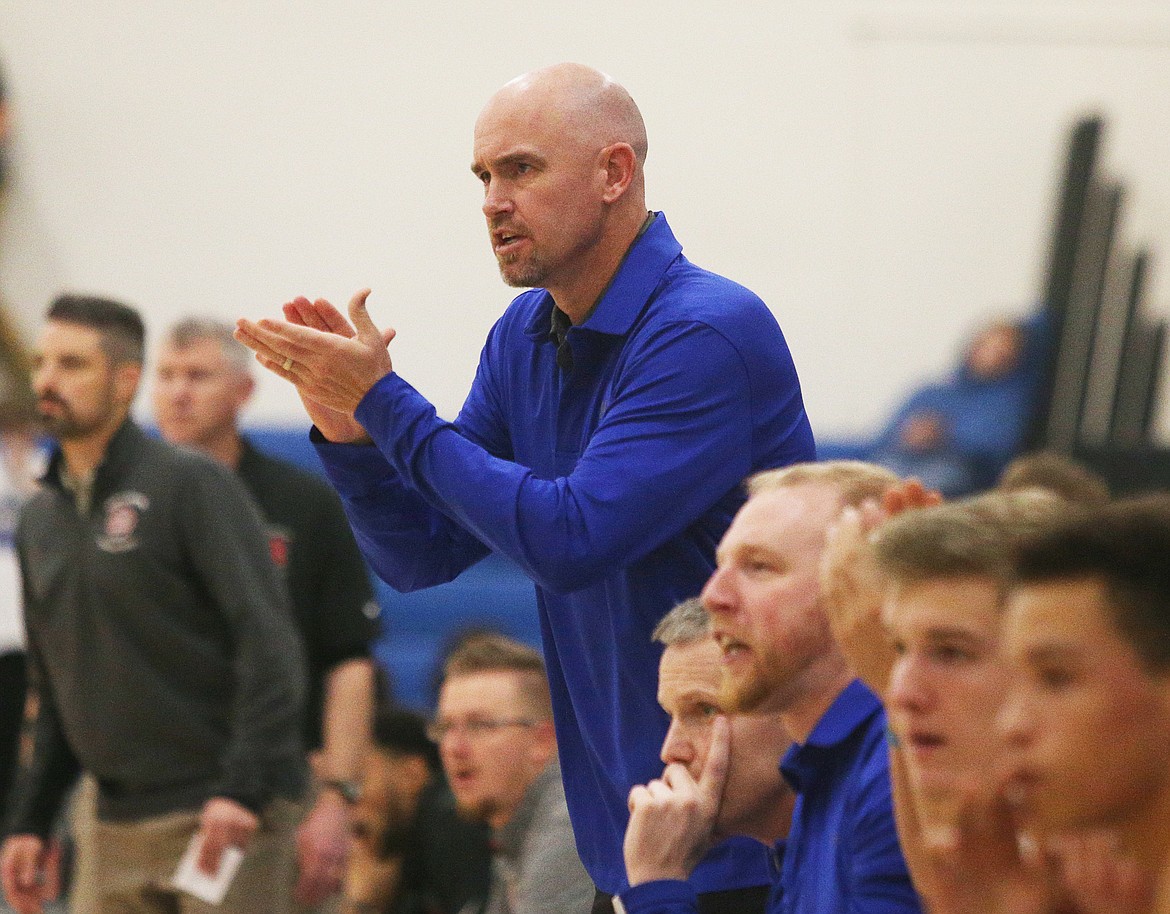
(638, 276)
(848, 714)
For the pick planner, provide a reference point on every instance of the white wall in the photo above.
(881, 173)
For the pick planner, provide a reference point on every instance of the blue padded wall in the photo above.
(415, 628)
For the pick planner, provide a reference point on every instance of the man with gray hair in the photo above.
(756, 804)
(202, 382)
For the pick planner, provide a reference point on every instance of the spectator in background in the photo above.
(160, 643)
(495, 735)
(202, 382)
(414, 853)
(756, 801)
(958, 435)
(1054, 473)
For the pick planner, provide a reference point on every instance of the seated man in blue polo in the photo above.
(756, 806)
(779, 655)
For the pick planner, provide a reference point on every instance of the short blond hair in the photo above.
(492, 652)
(975, 537)
(855, 480)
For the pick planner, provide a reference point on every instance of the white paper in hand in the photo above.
(192, 880)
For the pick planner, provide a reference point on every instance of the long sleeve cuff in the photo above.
(352, 468)
(663, 896)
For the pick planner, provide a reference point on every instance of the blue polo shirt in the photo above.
(610, 483)
(673, 896)
(843, 852)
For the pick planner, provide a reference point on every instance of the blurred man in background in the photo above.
(413, 852)
(202, 382)
(495, 735)
(160, 644)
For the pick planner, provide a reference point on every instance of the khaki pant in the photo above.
(126, 867)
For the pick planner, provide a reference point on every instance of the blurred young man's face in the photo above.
(688, 690)
(1086, 723)
(492, 749)
(947, 682)
(392, 783)
(995, 351)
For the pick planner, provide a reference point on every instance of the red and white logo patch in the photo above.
(123, 512)
(278, 548)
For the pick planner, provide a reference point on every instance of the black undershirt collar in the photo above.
(559, 327)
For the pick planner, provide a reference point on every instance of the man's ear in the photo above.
(544, 746)
(620, 164)
(126, 378)
(245, 387)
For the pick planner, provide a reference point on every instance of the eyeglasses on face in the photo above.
(476, 727)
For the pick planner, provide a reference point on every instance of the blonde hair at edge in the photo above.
(489, 652)
(976, 537)
(855, 480)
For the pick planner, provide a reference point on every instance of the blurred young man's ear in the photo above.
(545, 744)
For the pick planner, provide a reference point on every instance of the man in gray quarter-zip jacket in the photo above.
(495, 736)
(161, 645)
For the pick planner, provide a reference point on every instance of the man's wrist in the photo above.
(640, 876)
